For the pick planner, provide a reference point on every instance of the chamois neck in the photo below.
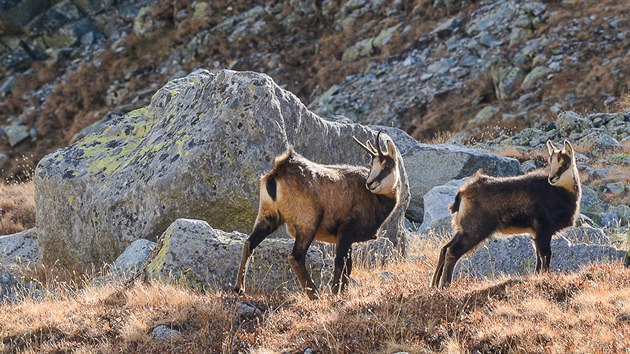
(570, 181)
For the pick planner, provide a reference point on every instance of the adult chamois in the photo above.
(539, 203)
(337, 204)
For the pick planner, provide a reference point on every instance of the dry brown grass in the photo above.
(587, 311)
(624, 102)
(17, 207)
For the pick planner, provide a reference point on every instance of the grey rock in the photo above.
(196, 151)
(374, 253)
(534, 76)
(360, 49)
(384, 36)
(134, 257)
(17, 59)
(14, 15)
(437, 217)
(247, 310)
(516, 256)
(506, 80)
(591, 205)
(607, 141)
(9, 286)
(586, 234)
(95, 127)
(194, 254)
(569, 122)
(164, 332)
(7, 85)
(426, 168)
(616, 188)
(16, 132)
(20, 248)
(485, 114)
(54, 18)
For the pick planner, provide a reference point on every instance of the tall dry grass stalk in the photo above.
(17, 207)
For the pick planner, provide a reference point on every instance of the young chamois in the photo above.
(539, 203)
(337, 204)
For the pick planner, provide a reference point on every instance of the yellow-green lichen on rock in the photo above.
(196, 151)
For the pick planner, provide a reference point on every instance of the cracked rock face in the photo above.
(196, 151)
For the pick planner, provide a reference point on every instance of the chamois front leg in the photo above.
(461, 243)
(261, 231)
(297, 259)
(343, 266)
(440, 265)
(542, 242)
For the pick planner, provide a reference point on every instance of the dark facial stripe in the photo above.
(566, 164)
(385, 171)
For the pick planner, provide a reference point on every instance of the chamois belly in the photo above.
(325, 236)
(514, 230)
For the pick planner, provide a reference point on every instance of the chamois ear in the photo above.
(391, 149)
(550, 147)
(568, 148)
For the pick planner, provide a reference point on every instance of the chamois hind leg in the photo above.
(297, 259)
(461, 243)
(440, 264)
(262, 229)
(542, 243)
(343, 266)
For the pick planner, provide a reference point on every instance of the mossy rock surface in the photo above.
(194, 254)
(196, 151)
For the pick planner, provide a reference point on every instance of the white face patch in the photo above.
(561, 170)
(388, 183)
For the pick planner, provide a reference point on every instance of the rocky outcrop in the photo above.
(429, 166)
(196, 151)
(193, 253)
(133, 258)
(20, 248)
(516, 256)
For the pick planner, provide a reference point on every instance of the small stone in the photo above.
(607, 141)
(616, 188)
(17, 132)
(7, 85)
(245, 310)
(533, 77)
(163, 332)
(485, 114)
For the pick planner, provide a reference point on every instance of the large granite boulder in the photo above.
(196, 151)
(429, 166)
(437, 216)
(193, 253)
(516, 256)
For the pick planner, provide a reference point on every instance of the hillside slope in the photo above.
(420, 65)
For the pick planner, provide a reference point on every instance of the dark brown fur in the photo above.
(508, 205)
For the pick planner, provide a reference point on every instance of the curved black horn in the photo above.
(364, 146)
(378, 143)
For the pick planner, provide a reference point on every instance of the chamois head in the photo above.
(562, 165)
(383, 177)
